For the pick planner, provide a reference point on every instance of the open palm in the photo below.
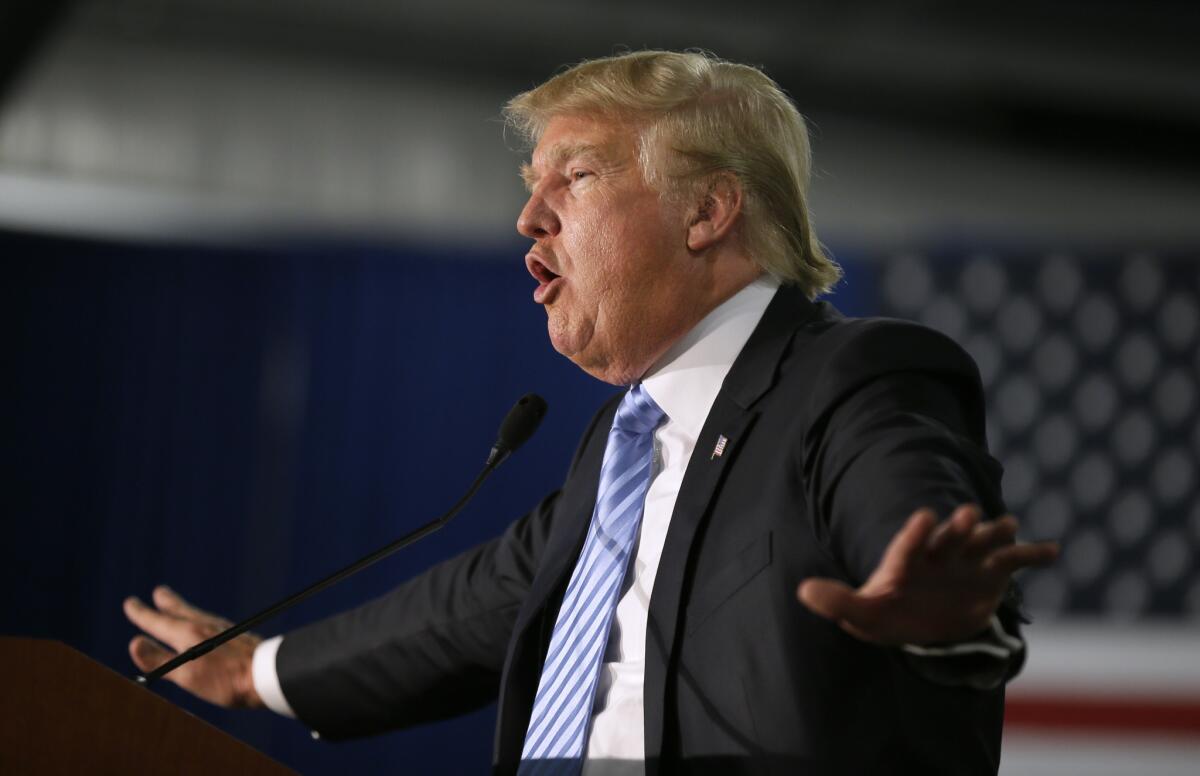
(935, 583)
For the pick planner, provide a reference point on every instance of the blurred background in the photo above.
(264, 306)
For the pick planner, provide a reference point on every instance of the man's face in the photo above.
(610, 255)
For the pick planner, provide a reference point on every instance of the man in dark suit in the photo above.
(779, 445)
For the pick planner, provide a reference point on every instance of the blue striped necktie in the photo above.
(562, 708)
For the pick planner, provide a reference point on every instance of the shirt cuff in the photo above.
(266, 678)
(983, 662)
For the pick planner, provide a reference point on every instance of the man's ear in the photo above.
(716, 213)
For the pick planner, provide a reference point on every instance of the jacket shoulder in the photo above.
(838, 356)
(880, 345)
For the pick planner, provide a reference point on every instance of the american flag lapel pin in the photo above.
(720, 448)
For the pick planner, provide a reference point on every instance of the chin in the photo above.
(619, 379)
(607, 372)
(582, 350)
(570, 344)
(600, 369)
(563, 345)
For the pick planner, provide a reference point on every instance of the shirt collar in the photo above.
(686, 380)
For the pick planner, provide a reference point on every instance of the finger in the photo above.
(954, 532)
(1005, 560)
(908, 542)
(989, 536)
(830, 598)
(175, 632)
(859, 633)
(148, 654)
(170, 602)
(837, 601)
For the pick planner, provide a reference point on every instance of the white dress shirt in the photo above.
(684, 383)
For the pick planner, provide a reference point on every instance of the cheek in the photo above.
(617, 256)
(595, 247)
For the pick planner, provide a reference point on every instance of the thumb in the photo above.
(829, 598)
(147, 654)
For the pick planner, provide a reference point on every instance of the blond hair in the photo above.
(712, 117)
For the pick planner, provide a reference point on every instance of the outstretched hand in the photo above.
(935, 583)
(223, 676)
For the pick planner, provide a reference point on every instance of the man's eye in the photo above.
(577, 175)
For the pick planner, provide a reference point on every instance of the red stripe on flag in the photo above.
(1108, 714)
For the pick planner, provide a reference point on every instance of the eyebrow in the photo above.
(558, 155)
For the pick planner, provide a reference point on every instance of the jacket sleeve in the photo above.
(430, 649)
(896, 422)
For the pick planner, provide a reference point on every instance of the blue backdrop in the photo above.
(239, 422)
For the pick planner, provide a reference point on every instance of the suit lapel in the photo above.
(728, 424)
(560, 555)
(573, 515)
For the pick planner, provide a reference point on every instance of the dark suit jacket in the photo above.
(838, 429)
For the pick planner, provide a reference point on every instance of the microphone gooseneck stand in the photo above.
(520, 423)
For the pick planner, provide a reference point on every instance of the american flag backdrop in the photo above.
(1091, 365)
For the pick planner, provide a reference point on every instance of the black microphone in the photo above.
(519, 424)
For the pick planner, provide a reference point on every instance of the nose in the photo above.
(537, 218)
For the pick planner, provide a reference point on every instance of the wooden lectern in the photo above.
(63, 713)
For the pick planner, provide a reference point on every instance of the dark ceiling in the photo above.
(1114, 80)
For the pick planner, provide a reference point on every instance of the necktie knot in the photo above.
(638, 413)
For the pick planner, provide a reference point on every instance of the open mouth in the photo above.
(546, 278)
